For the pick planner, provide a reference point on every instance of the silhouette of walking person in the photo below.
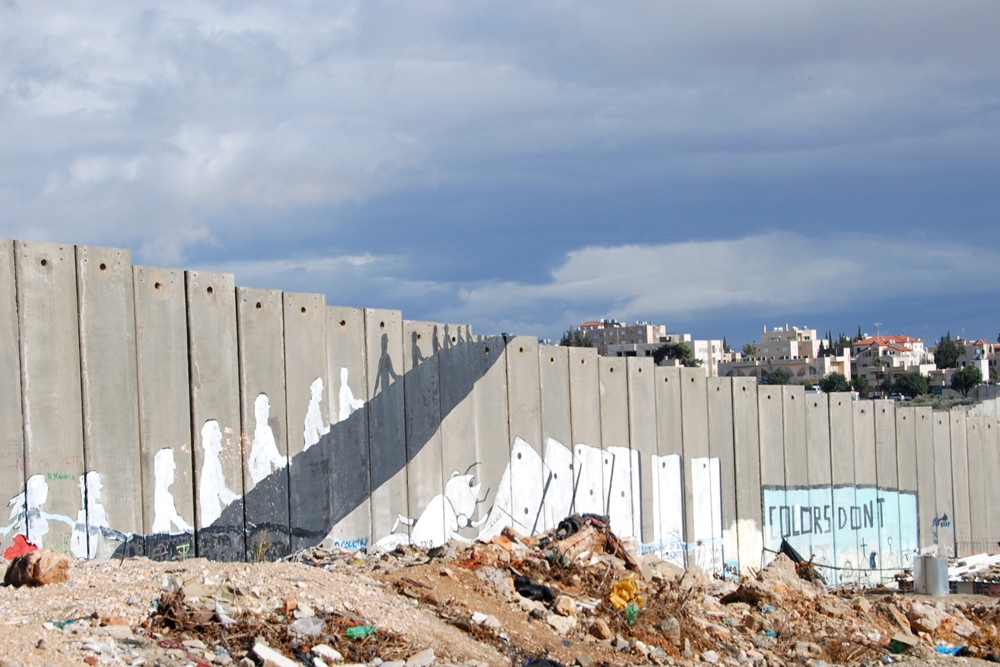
(386, 374)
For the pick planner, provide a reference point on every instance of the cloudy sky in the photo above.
(524, 166)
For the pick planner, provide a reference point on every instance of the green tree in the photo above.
(948, 351)
(834, 382)
(678, 351)
(911, 384)
(576, 338)
(860, 384)
(748, 350)
(725, 345)
(966, 379)
(807, 385)
(779, 376)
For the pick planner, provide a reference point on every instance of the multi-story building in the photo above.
(798, 351)
(709, 352)
(606, 333)
(879, 359)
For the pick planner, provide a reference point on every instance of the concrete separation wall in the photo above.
(172, 414)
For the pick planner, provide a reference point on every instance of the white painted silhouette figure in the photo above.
(314, 426)
(263, 451)
(27, 515)
(92, 519)
(164, 509)
(213, 493)
(348, 403)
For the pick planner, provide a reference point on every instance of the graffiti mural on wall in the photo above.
(862, 529)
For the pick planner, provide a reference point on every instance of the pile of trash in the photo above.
(576, 595)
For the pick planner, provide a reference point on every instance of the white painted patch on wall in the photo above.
(745, 539)
(348, 403)
(27, 513)
(314, 427)
(704, 545)
(589, 492)
(263, 450)
(617, 464)
(668, 509)
(518, 501)
(560, 481)
(213, 494)
(165, 512)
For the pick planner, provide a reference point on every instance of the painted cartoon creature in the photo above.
(445, 515)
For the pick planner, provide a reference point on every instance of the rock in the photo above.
(530, 605)
(925, 618)
(272, 658)
(38, 568)
(832, 607)
(564, 606)
(694, 577)
(563, 625)
(806, 650)
(487, 621)
(328, 653)
(600, 629)
(584, 661)
(862, 604)
(657, 655)
(711, 657)
(422, 659)
(965, 629)
(670, 628)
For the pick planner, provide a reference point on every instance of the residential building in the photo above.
(606, 333)
(709, 352)
(879, 359)
(797, 350)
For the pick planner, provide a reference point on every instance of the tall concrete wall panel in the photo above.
(821, 513)
(307, 411)
(703, 510)
(916, 471)
(348, 494)
(887, 504)
(642, 436)
(842, 475)
(908, 429)
(616, 452)
(978, 512)
(943, 492)
(527, 465)
(265, 424)
(960, 482)
(110, 400)
(425, 477)
(991, 450)
(746, 435)
(796, 517)
(458, 417)
(557, 430)
(776, 511)
(862, 517)
(386, 418)
(215, 413)
(51, 392)
(721, 446)
(668, 469)
(585, 411)
(165, 444)
(11, 426)
(493, 439)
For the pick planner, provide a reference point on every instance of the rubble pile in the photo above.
(577, 595)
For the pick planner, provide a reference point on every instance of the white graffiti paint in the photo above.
(165, 512)
(618, 463)
(348, 403)
(518, 501)
(705, 544)
(28, 517)
(314, 427)
(559, 483)
(213, 494)
(264, 454)
(668, 509)
(92, 520)
(445, 515)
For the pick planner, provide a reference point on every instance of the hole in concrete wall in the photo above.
(744, 388)
(862, 412)
(156, 285)
(640, 370)
(611, 370)
(525, 510)
(381, 325)
(520, 349)
(816, 404)
(454, 339)
(103, 267)
(44, 262)
(486, 351)
(583, 361)
(303, 309)
(718, 389)
(259, 305)
(692, 379)
(419, 336)
(623, 494)
(666, 379)
(552, 360)
(769, 397)
(209, 290)
(343, 323)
